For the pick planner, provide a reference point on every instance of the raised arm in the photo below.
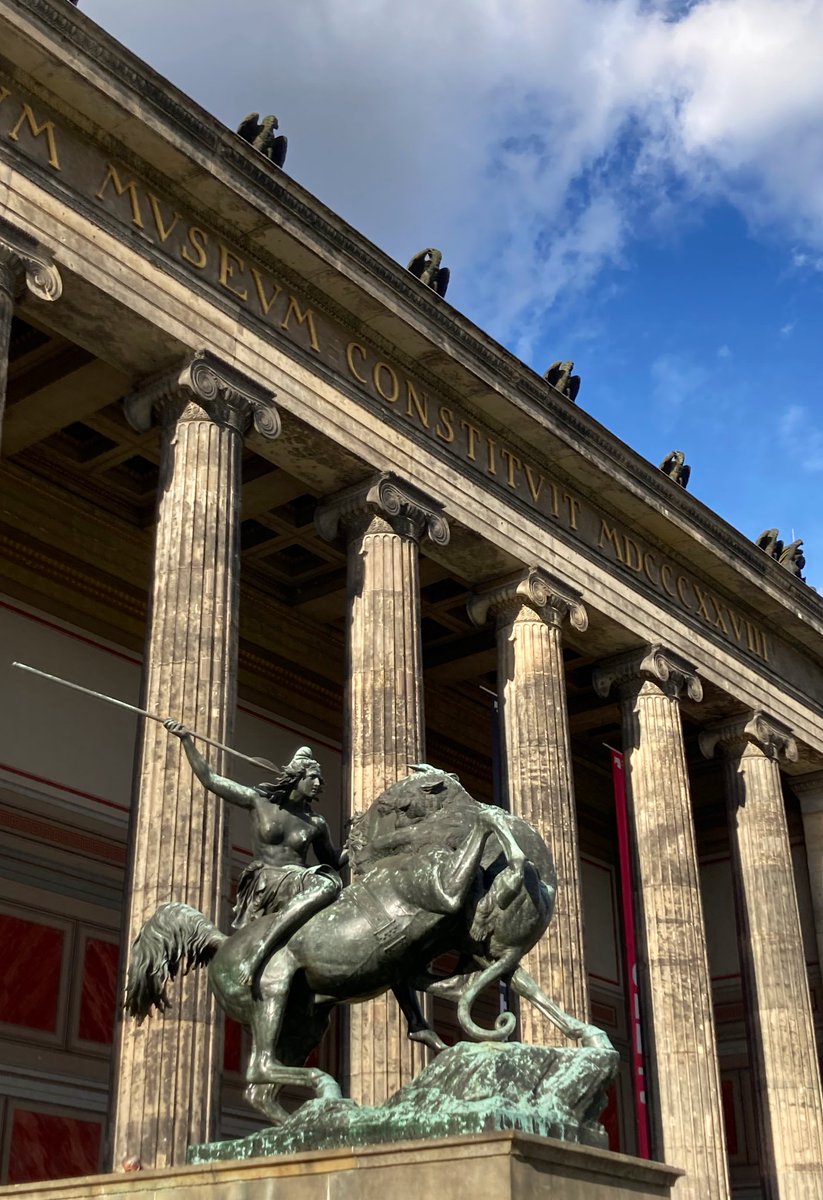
(227, 789)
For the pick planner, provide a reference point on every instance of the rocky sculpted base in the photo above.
(554, 1092)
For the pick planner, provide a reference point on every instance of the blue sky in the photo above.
(634, 185)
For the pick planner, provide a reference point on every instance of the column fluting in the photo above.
(385, 724)
(678, 1019)
(809, 791)
(167, 1069)
(780, 1026)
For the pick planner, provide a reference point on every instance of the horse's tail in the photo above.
(176, 935)
(505, 1023)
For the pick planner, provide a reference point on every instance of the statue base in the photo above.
(496, 1166)
(556, 1092)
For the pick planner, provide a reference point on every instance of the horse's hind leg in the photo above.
(323, 1085)
(263, 1097)
(265, 1073)
(267, 1016)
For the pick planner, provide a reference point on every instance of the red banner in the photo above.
(633, 989)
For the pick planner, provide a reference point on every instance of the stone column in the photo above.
(21, 265)
(166, 1070)
(776, 988)
(385, 727)
(809, 791)
(684, 1084)
(530, 610)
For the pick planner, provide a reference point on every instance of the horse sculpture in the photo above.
(434, 872)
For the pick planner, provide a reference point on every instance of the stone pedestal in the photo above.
(809, 791)
(491, 1166)
(776, 988)
(530, 610)
(383, 521)
(684, 1090)
(21, 265)
(166, 1070)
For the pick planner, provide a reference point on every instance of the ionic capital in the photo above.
(654, 664)
(23, 263)
(204, 389)
(534, 589)
(405, 509)
(752, 729)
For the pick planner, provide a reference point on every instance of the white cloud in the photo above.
(788, 329)
(807, 262)
(531, 139)
(724, 351)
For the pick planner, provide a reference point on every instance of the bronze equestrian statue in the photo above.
(433, 872)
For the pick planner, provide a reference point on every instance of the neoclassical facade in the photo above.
(258, 477)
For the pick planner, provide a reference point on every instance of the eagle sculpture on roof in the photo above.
(426, 266)
(260, 135)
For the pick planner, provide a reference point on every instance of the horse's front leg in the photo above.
(419, 1028)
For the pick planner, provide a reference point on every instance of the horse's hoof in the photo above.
(259, 1096)
(325, 1086)
(427, 1037)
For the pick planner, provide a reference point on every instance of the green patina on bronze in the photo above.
(470, 1088)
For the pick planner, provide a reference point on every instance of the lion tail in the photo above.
(504, 1024)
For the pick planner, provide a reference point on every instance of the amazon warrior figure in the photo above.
(284, 828)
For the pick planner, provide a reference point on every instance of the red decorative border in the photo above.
(61, 835)
(63, 787)
(70, 633)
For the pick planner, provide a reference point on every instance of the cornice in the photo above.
(290, 679)
(535, 589)
(654, 663)
(465, 764)
(80, 578)
(755, 728)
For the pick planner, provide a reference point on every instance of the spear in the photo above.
(142, 712)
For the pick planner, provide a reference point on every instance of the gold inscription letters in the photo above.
(28, 125)
(223, 265)
(692, 596)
